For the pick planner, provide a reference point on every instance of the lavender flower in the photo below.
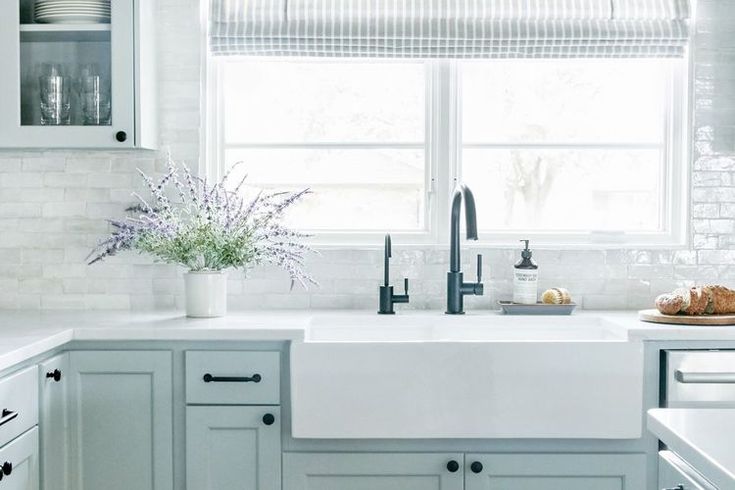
(209, 227)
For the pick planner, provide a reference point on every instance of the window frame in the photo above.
(443, 148)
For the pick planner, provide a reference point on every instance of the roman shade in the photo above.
(450, 28)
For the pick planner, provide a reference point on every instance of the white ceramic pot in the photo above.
(206, 294)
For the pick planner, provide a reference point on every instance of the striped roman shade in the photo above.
(451, 28)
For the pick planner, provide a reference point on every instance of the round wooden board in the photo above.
(655, 316)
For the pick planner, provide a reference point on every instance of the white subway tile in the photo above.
(63, 209)
(19, 210)
(43, 164)
(87, 165)
(21, 179)
(9, 164)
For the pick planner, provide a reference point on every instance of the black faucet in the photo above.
(387, 298)
(456, 287)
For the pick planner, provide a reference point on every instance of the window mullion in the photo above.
(443, 142)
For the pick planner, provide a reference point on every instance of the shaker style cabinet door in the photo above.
(67, 85)
(19, 461)
(233, 448)
(120, 408)
(54, 423)
(555, 471)
(372, 471)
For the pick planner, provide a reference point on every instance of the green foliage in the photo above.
(201, 246)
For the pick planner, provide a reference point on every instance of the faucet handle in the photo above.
(405, 286)
(479, 268)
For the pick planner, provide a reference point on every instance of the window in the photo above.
(561, 151)
(352, 132)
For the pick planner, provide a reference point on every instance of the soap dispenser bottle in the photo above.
(525, 278)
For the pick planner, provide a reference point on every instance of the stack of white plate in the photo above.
(72, 11)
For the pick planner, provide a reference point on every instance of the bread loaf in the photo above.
(669, 303)
(700, 300)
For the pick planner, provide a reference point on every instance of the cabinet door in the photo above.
(54, 423)
(22, 455)
(105, 50)
(121, 420)
(370, 471)
(233, 448)
(555, 472)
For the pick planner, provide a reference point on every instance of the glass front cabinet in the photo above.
(77, 74)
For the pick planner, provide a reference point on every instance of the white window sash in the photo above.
(443, 150)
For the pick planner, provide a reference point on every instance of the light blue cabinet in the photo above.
(22, 454)
(54, 422)
(371, 471)
(555, 472)
(120, 411)
(121, 52)
(432, 471)
(233, 448)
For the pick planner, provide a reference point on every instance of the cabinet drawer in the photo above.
(697, 379)
(21, 456)
(675, 474)
(233, 377)
(19, 404)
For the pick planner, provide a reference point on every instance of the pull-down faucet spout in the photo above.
(456, 287)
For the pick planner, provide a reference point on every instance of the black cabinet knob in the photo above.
(269, 419)
(7, 468)
(121, 136)
(476, 467)
(452, 466)
(55, 375)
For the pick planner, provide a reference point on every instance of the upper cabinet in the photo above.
(77, 74)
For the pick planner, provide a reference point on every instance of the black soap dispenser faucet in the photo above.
(387, 298)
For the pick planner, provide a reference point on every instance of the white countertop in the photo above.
(703, 437)
(24, 334)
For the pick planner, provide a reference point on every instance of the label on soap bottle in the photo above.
(525, 286)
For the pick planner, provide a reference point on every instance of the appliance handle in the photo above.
(704, 377)
(7, 416)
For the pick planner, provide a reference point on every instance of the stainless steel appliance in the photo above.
(699, 379)
(694, 379)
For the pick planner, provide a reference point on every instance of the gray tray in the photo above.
(510, 308)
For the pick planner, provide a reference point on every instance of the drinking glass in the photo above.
(95, 100)
(52, 70)
(89, 70)
(55, 91)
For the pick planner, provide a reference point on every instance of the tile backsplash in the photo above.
(53, 206)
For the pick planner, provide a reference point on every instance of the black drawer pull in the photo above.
(55, 375)
(7, 416)
(7, 468)
(269, 419)
(208, 378)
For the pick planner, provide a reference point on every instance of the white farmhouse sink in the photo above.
(469, 328)
(476, 376)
